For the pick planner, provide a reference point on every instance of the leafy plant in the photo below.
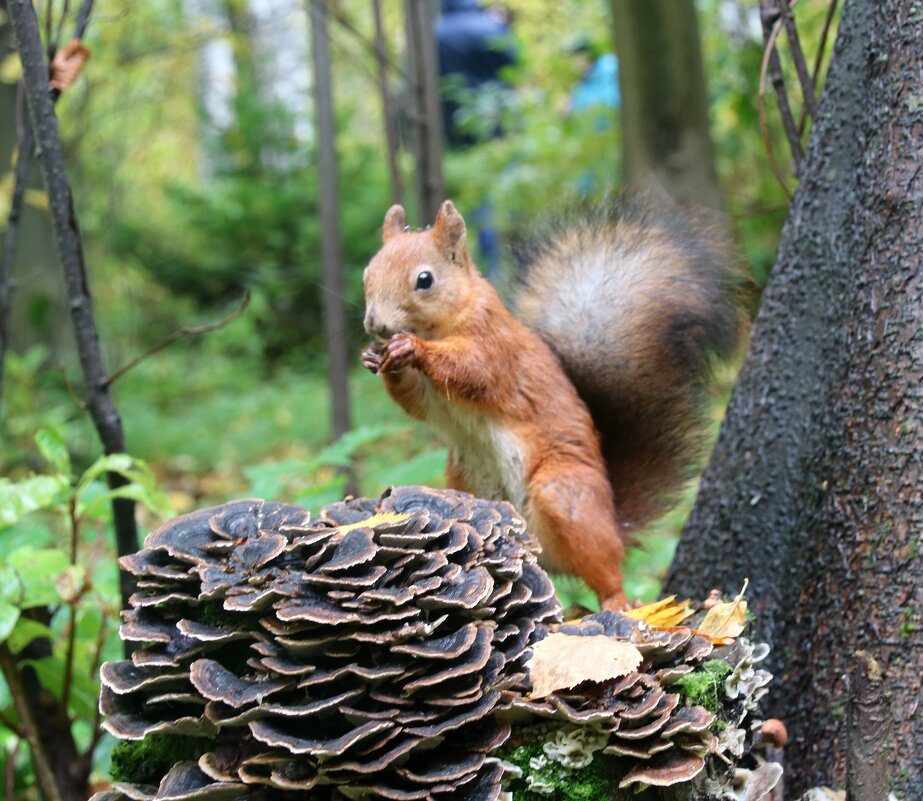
(59, 601)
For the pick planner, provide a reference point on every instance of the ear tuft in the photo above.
(449, 230)
(395, 223)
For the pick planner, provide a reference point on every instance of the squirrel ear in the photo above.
(449, 230)
(395, 223)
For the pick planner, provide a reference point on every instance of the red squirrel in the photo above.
(582, 413)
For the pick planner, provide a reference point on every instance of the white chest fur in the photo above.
(490, 455)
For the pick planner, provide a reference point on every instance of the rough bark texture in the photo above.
(815, 488)
(666, 143)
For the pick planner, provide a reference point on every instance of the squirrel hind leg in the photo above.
(572, 514)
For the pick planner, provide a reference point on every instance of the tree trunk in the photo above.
(335, 328)
(815, 487)
(424, 116)
(666, 143)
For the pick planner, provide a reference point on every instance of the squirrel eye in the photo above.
(424, 280)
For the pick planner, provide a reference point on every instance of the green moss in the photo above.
(701, 687)
(584, 784)
(147, 761)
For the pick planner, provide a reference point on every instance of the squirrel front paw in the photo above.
(371, 356)
(402, 350)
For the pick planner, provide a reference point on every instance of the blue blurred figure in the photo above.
(473, 47)
(599, 85)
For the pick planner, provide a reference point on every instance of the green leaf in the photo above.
(51, 444)
(142, 486)
(341, 452)
(25, 631)
(130, 468)
(37, 570)
(29, 495)
(9, 614)
(153, 499)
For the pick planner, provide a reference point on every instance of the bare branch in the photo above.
(761, 103)
(772, 21)
(67, 234)
(186, 330)
(808, 88)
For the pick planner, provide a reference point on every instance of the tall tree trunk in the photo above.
(815, 487)
(388, 106)
(424, 116)
(666, 143)
(335, 328)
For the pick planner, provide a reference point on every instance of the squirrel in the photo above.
(582, 410)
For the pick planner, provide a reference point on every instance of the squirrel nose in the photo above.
(373, 326)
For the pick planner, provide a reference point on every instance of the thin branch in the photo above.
(761, 103)
(387, 106)
(25, 147)
(71, 389)
(41, 762)
(11, 725)
(186, 330)
(772, 23)
(67, 234)
(819, 58)
(375, 47)
(808, 89)
(11, 771)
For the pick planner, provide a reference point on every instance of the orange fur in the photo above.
(456, 356)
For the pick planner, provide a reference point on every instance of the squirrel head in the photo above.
(420, 281)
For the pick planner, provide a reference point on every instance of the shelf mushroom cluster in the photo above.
(363, 653)
(662, 740)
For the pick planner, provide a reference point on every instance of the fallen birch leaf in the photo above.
(562, 661)
(725, 621)
(664, 613)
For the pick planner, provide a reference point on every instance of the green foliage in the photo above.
(701, 687)
(584, 784)
(58, 580)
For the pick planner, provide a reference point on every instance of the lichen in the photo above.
(146, 761)
(701, 687)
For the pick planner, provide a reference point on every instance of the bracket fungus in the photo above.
(644, 714)
(360, 654)
(382, 649)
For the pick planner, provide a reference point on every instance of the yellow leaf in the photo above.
(10, 69)
(382, 519)
(37, 198)
(664, 613)
(561, 661)
(725, 621)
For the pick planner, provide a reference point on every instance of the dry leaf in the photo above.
(561, 661)
(725, 621)
(67, 64)
(664, 613)
(381, 519)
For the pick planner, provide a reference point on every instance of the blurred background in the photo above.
(192, 139)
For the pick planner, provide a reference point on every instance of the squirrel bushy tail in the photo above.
(634, 300)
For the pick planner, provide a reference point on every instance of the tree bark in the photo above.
(666, 143)
(70, 248)
(424, 116)
(815, 487)
(388, 109)
(335, 328)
